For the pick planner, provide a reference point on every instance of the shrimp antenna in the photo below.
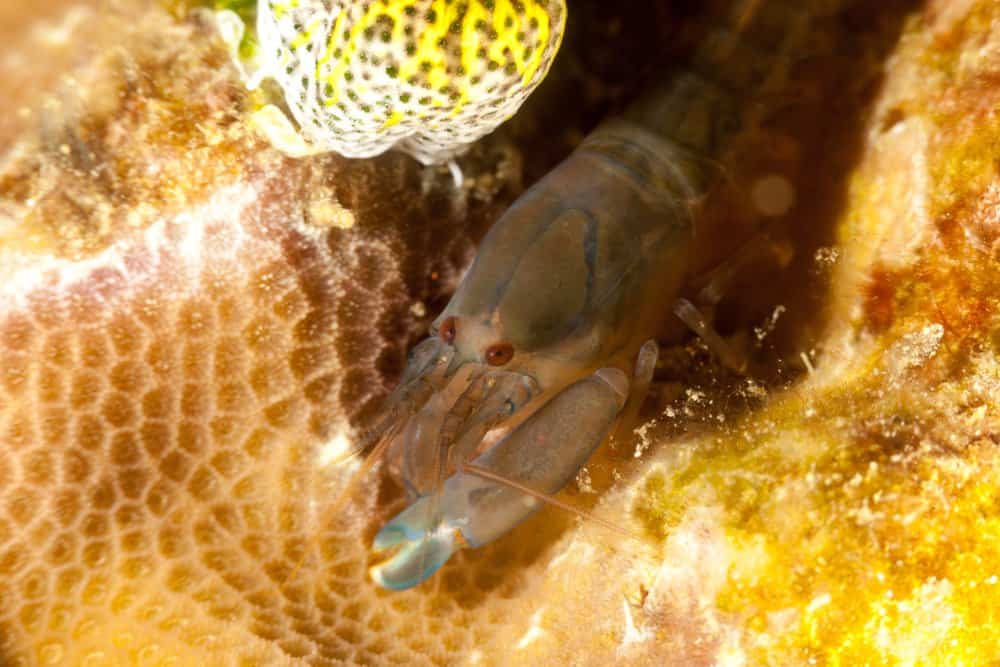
(434, 504)
(345, 494)
(479, 471)
(368, 438)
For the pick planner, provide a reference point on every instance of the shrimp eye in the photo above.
(447, 330)
(499, 354)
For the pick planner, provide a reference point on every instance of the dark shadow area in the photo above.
(773, 311)
(813, 138)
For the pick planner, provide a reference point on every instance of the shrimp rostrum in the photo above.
(533, 361)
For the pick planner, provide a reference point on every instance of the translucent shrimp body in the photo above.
(427, 77)
(548, 337)
(561, 283)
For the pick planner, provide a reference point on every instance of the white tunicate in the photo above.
(427, 77)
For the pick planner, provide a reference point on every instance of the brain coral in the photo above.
(190, 323)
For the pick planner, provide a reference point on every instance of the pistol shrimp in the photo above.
(548, 342)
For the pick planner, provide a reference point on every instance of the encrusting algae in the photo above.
(188, 318)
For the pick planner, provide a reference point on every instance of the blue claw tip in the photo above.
(414, 562)
(420, 554)
(394, 534)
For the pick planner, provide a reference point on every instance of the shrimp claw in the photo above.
(541, 455)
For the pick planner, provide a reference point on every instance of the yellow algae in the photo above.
(967, 167)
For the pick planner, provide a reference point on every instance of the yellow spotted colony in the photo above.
(427, 77)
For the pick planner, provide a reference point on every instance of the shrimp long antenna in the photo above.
(478, 471)
(368, 438)
(346, 493)
(434, 504)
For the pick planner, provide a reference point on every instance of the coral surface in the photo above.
(193, 326)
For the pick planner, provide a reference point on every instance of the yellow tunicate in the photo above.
(428, 77)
